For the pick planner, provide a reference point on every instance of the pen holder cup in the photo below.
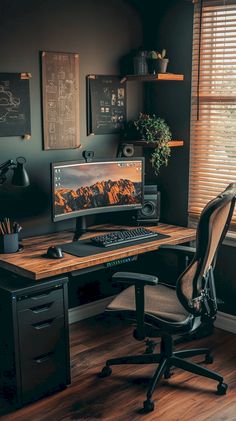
(9, 243)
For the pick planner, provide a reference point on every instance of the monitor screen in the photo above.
(81, 188)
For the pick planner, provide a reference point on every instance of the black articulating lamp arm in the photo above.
(20, 177)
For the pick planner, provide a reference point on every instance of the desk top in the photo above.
(31, 264)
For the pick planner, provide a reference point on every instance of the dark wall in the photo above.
(102, 33)
(171, 100)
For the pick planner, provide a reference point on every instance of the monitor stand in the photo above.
(81, 227)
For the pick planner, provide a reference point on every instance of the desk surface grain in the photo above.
(31, 263)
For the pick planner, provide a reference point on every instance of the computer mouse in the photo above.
(54, 252)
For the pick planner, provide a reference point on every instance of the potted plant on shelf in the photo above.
(157, 62)
(155, 129)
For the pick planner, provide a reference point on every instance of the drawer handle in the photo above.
(41, 309)
(38, 297)
(43, 358)
(44, 325)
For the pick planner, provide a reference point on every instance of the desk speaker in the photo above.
(126, 150)
(150, 212)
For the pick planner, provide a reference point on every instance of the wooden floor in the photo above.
(119, 397)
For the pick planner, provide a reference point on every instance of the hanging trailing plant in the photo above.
(155, 129)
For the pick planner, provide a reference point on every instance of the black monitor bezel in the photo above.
(87, 212)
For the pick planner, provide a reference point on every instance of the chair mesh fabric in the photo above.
(160, 301)
(186, 281)
(217, 222)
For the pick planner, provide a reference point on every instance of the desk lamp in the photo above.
(20, 177)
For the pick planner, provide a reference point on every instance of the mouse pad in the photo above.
(83, 248)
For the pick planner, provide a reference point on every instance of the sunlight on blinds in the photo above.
(213, 111)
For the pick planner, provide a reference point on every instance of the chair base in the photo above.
(166, 359)
(205, 329)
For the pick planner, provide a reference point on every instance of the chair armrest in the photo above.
(135, 278)
(139, 280)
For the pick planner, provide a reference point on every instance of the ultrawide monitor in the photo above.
(83, 188)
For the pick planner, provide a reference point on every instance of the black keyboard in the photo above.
(122, 237)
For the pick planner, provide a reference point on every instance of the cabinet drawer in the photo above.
(43, 374)
(41, 338)
(39, 312)
(39, 298)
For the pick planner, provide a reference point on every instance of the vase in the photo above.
(140, 63)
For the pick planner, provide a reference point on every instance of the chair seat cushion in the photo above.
(161, 303)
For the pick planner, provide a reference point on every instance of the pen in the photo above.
(9, 227)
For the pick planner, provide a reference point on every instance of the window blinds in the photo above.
(213, 108)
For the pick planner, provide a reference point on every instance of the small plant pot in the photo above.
(157, 65)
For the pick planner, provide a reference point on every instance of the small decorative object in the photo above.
(140, 63)
(155, 129)
(157, 62)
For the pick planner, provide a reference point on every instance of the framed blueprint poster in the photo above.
(60, 94)
(106, 104)
(15, 104)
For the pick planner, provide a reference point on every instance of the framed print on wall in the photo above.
(60, 100)
(15, 105)
(106, 104)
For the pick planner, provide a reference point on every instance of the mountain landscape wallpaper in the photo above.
(74, 190)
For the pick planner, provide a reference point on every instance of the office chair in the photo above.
(161, 311)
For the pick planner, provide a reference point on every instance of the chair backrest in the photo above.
(213, 224)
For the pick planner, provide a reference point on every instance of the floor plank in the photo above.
(119, 397)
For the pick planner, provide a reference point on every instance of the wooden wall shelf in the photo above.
(151, 145)
(152, 78)
(176, 143)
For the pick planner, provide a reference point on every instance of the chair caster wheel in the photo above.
(209, 359)
(105, 372)
(148, 406)
(150, 347)
(138, 336)
(222, 388)
(167, 374)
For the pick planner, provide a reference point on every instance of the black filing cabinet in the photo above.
(34, 340)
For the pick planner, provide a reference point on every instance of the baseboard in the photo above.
(88, 310)
(226, 322)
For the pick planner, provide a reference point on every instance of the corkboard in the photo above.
(60, 100)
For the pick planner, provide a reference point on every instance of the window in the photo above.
(213, 113)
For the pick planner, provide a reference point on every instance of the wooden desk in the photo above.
(30, 263)
(39, 311)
